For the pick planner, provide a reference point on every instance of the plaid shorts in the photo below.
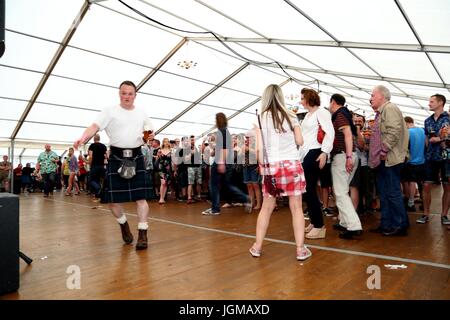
(289, 177)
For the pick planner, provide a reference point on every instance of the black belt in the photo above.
(125, 152)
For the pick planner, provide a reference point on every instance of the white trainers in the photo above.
(209, 212)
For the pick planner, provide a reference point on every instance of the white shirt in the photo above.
(310, 126)
(124, 127)
(362, 155)
(279, 145)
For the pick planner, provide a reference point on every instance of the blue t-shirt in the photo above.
(416, 146)
(432, 129)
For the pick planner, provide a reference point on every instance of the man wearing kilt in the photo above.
(124, 124)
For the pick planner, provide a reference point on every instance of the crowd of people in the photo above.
(51, 172)
(386, 164)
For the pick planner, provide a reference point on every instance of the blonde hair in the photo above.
(168, 144)
(272, 101)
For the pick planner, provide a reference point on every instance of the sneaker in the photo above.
(411, 208)
(210, 212)
(445, 220)
(423, 219)
(396, 232)
(207, 211)
(304, 254)
(327, 212)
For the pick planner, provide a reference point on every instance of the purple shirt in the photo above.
(73, 164)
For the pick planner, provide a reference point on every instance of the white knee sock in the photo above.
(142, 225)
(122, 219)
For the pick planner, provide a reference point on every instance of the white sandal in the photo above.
(304, 254)
(255, 253)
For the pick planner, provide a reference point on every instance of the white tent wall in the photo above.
(113, 43)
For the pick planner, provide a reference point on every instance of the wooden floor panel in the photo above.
(187, 262)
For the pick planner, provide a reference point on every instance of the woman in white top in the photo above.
(282, 136)
(316, 154)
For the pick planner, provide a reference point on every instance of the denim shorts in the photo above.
(251, 174)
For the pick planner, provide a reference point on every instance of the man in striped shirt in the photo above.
(343, 166)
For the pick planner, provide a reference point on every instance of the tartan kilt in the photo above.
(117, 189)
(289, 177)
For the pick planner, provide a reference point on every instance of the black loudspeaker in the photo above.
(9, 242)
(2, 27)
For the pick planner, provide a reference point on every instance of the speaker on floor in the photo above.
(9, 242)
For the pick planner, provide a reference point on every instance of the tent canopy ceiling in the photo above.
(86, 48)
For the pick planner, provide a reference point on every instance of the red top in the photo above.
(81, 167)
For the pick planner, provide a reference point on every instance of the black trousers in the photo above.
(49, 182)
(312, 174)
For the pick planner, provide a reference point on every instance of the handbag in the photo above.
(269, 181)
(320, 133)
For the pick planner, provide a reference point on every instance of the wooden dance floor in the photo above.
(191, 256)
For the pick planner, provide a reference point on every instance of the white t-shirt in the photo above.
(362, 155)
(310, 126)
(279, 145)
(124, 127)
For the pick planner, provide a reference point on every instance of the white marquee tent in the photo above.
(65, 59)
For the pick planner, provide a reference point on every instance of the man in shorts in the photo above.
(435, 164)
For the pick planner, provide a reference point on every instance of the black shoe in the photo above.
(348, 234)
(377, 230)
(338, 227)
(401, 232)
(411, 208)
(127, 236)
(142, 242)
(327, 212)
